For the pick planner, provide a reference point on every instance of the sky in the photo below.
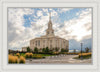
(73, 24)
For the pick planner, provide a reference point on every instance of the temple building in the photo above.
(49, 40)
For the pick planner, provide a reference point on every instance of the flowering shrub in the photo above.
(37, 56)
(28, 55)
(12, 59)
(22, 59)
(72, 53)
(55, 53)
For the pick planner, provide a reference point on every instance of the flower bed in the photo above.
(84, 55)
(37, 56)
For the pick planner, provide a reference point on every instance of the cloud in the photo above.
(39, 13)
(78, 28)
(64, 9)
(53, 13)
(45, 10)
(40, 26)
(19, 35)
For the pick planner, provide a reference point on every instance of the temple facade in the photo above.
(49, 40)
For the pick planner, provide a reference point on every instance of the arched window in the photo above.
(43, 46)
(50, 46)
(56, 43)
(50, 41)
(33, 42)
(38, 42)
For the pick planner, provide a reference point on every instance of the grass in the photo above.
(12, 59)
(37, 56)
(44, 54)
(31, 55)
(15, 59)
(22, 59)
(23, 54)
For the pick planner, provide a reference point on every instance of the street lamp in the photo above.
(81, 51)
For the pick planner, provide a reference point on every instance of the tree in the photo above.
(66, 50)
(47, 50)
(62, 50)
(87, 50)
(51, 50)
(40, 50)
(36, 50)
(43, 50)
(28, 49)
(56, 49)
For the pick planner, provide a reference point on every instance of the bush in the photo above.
(35, 50)
(12, 59)
(55, 53)
(37, 56)
(28, 55)
(17, 54)
(72, 53)
(22, 59)
(84, 55)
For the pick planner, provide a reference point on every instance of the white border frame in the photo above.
(4, 51)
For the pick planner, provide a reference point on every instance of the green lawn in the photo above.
(23, 54)
(44, 54)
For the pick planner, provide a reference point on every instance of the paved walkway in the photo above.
(60, 59)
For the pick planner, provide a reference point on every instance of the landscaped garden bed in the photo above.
(83, 56)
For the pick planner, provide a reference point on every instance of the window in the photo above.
(50, 41)
(43, 46)
(38, 42)
(56, 43)
(50, 46)
(43, 41)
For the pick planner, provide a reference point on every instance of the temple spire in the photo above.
(50, 16)
(50, 30)
(49, 23)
